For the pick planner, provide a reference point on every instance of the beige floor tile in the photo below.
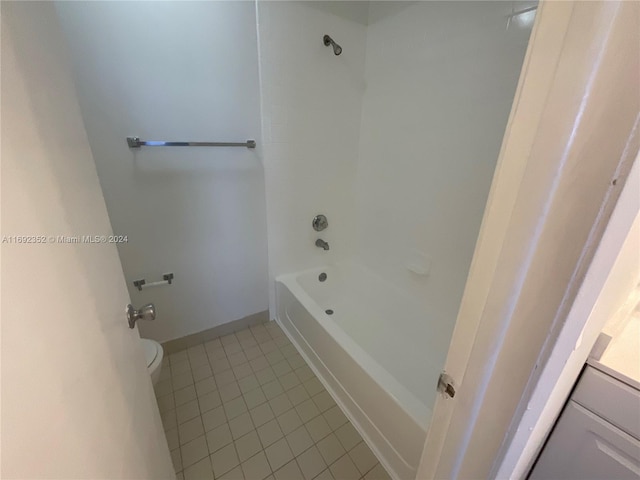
(190, 430)
(241, 371)
(289, 380)
(290, 471)
(216, 353)
(180, 367)
(229, 391)
(296, 361)
(224, 378)
(377, 473)
(281, 368)
(180, 476)
(176, 459)
(257, 467)
(235, 407)
(241, 425)
(299, 440)
(235, 474)
(244, 333)
(298, 395)
(228, 339)
(261, 414)
(165, 373)
(187, 411)
(278, 454)
(289, 421)
(248, 445)
(163, 387)
(313, 386)
(246, 343)
(178, 357)
(209, 401)
(213, 418)
(254, 398)
(201, 372)
(280, 404)
(304, 373)
(269, 433)
(344, 469)
(224, 460)
(184, 395)
(272, 389)
(275, 356)
(253, 352)
(182, 380)
(237, 358)
(325, 475)
(172, 438)
(363, 457)
(348, 436)
(323, 401)
(335, 418)
(199, 471)
(219, 437)
(318, 428)
(268, 346)
(259, 363)
(195, 350)
(331, 449)
(311, 463)
(248, 383)
(166, 403)
(220, 365)
(282, 341)
(307, 410)
(205, 386)
(232, 348)
(194, 451)
(265, 375)
(199, 360)
(289, 350)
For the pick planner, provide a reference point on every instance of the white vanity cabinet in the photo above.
(598, 433)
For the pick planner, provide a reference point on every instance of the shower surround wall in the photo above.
(177, 71)
(441, 78)
(311, 103)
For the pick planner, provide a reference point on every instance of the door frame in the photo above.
(570, 142)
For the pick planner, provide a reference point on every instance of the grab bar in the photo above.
(135, 142)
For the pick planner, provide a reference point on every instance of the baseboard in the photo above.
(177, 344)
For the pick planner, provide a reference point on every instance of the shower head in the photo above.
(327, 40)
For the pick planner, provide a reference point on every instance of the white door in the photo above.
(568, 147)
(77, 401)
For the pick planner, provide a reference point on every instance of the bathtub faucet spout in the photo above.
(322, 244)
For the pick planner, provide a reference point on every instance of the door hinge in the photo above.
(446, 385)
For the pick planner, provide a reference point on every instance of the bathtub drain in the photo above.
(329, 311)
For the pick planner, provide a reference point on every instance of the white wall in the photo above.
(77, 400)
(177, 71)
(311, 104)
(440, 80)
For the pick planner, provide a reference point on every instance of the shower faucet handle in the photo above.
(319, 223)
(148, 312)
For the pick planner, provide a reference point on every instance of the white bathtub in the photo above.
(371, 355)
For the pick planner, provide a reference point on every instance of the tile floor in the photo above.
(247, 406)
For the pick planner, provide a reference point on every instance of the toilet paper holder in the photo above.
(141, 283)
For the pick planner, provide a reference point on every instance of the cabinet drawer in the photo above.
(583, 446)
(610, 399)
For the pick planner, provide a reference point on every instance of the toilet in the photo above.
(153, 354)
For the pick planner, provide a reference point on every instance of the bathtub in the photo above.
(370, 353)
